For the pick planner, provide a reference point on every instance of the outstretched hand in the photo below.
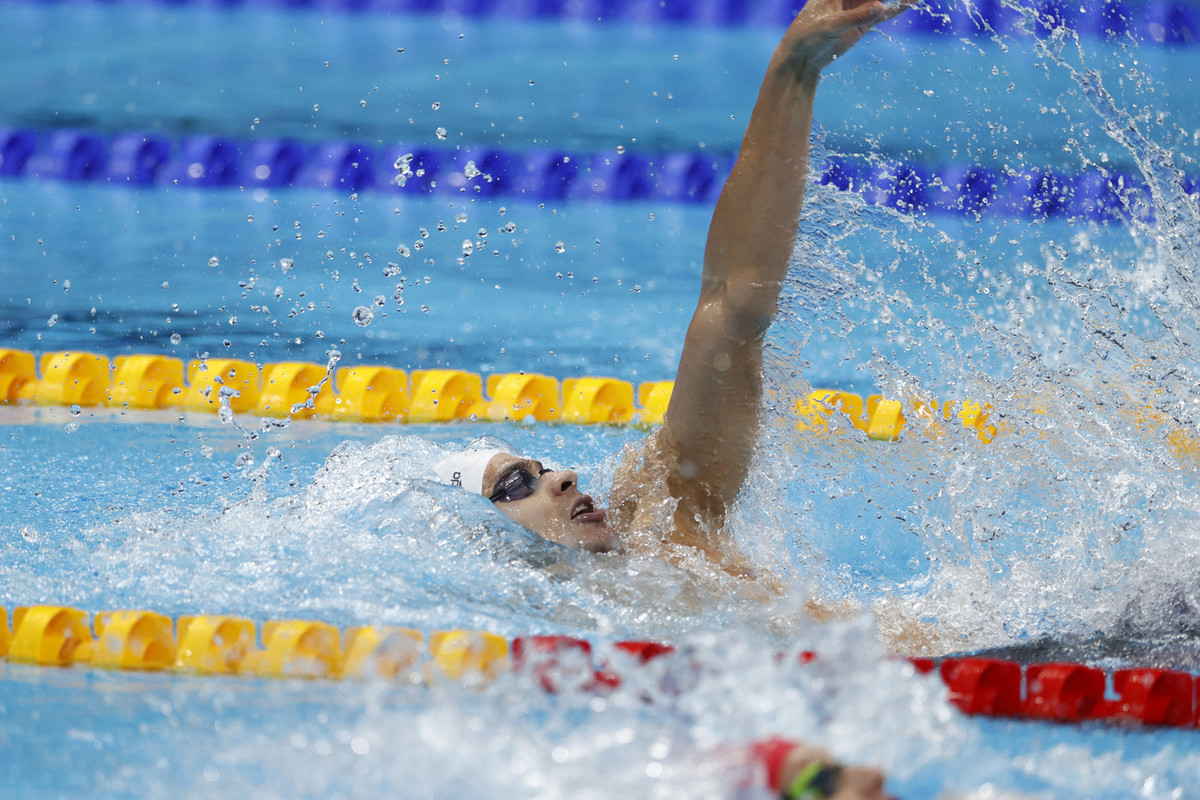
(853, 783)
(825, 29)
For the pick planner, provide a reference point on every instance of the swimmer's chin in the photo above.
(591, 533)
(606, 543)
(612, 545)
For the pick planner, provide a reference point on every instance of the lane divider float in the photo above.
(378, 394)
(1164, 22)
(1068, 692)
(227, 645)
(138, 158)
(371, 394)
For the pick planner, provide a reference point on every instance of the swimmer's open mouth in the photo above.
(586, 510)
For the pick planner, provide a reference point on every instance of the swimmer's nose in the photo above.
(562, 480)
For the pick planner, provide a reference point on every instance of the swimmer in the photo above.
(671, 495)
(796, 770)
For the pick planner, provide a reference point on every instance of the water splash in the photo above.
(1080, 518)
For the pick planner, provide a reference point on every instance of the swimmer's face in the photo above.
(555, 509)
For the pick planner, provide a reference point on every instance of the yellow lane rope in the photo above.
(379, 393)
(228, 645)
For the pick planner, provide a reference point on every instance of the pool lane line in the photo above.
(215, 162)
(305, 649)
(374, 394)
(301, 390)
(1171, 23)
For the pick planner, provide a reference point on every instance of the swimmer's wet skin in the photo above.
(698, 461)
(547, 502)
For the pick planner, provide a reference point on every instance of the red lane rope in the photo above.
(1058, 691)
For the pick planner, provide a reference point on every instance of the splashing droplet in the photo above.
(363, 316)
(559, 247)
(403, 165)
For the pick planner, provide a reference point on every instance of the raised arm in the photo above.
(712, 421)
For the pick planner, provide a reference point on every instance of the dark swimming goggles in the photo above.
(515, 485)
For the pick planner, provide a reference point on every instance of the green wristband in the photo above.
(814, 782)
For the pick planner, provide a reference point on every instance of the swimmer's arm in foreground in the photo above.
(711, 425)
(797, 770)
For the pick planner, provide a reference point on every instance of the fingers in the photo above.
(867, 13)
(861, 16)
(862, 782)
(855, 23)
(850, 5)
(891, 7)
(825, 29)
(896, 8)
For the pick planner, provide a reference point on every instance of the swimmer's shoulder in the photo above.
(651, 521)
(640, 498)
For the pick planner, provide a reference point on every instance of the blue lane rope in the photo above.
(213, 162)
(1163, 22)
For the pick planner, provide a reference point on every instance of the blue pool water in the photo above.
(1078, 527)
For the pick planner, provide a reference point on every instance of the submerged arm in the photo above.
(712, 421)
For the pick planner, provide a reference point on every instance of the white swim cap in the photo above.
(465, 468)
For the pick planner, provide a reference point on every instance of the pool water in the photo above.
(1075, 528)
